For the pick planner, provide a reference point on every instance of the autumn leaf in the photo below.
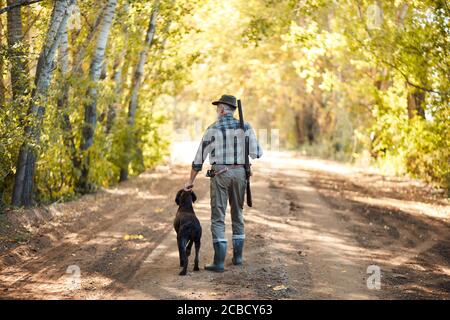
(133, 237)
(279, 288)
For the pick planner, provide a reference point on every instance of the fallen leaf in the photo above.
(279, 288)
(133, 237)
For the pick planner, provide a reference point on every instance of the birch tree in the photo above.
(23, 185)
(90, 109)
(137, 80)
(68, 72)
(4, 168)
(2, 66)
(120, 68)
(62, 101)
(17, 54)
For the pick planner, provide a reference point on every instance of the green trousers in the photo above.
(227, 187)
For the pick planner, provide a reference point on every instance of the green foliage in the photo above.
(59, 144)
(334, 83)
(337, 78)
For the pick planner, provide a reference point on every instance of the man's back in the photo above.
(228, 122)
(223, 141)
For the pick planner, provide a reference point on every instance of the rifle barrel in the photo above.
(247, 161)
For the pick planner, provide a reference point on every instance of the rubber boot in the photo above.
(220, 250)
(238, 247)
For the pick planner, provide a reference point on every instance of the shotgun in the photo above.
(247, 162)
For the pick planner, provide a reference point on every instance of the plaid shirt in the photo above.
(224, 142)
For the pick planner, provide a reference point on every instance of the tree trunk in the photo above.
(23, 184)
(383, 82)
(3, 175)
(66, 125)
(80, 54)
(17, 54)
(415, 103)
(416, 98)
(139, 70)
(118, 71)
(2, 65)
(136, 84)
(165, 33)
(19, 87)
(120, 68)
(311, 126)
(90, 109)
(299, 130)
(63, 54)
(63, 100)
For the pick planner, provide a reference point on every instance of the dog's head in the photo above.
(185, 197)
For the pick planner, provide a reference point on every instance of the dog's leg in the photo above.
(197, 250)
(184, 257)
(180, 251)
(188, 248)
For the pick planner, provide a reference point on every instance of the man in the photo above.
(224, 143)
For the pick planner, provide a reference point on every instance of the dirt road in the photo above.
(314, 230)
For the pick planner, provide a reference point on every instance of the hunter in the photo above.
(224, 142)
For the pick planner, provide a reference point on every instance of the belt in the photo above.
(230, 166)
(227, 167)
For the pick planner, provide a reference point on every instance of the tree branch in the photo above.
(19, 4)
(398, 69)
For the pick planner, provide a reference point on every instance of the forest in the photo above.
(103, 104)
(91, 92)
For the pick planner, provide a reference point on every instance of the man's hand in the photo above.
(190, 183)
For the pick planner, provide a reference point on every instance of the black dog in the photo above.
(188, 229)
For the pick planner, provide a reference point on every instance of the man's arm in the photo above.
(197, 164)
(190, 184)
(255, 149)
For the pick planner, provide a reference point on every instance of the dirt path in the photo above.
(311, 234)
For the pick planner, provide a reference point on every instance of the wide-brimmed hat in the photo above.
(228, 100)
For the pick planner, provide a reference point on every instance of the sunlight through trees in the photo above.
(91, 91)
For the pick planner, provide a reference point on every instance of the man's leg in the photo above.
(236, 193)
(219, 198)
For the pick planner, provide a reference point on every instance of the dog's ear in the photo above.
(178, 197)
(194, 197)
